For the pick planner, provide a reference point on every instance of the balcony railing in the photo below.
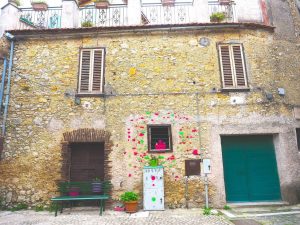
(114, 15)
(31, 19)
(176, 14)
(227, 9)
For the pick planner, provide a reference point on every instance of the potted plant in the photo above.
(101, 4)
(217, 17)
(130, 200)
(168, 2)
(96, 185)
(39, 5)
(86, 24)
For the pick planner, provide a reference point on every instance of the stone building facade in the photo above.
(154, 75)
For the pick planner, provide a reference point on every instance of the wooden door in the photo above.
(87, 161)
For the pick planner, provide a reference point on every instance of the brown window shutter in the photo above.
(85, 71)
(97, 71)
(239, 66)
(226, 67)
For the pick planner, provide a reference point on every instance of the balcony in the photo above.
(30, 19)
(134, 13)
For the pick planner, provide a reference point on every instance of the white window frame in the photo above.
(90, 89)
(232, 64)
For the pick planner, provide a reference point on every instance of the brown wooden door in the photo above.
(87, 161)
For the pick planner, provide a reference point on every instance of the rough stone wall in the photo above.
(151, 78)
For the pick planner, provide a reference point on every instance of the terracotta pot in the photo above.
(102, 5)
(131, 207)
(168, 2)
(39, 6)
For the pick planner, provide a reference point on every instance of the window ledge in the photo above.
(81, 95)
(235, 89)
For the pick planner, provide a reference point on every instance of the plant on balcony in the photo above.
(168, 2)
(101, 4)
(217, 17)
(87, 24)
(39, 5)
(15, 2)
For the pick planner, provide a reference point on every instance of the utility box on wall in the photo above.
(192, 167)
(154, 198)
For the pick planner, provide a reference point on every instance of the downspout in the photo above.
(3, 82)
(8, 82)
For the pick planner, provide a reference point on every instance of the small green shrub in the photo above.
(129, 196)
(51, 207)
(206, 211)
(39, 208)
(86, 24)
(20, 206)
(226, 207)
(217, 17)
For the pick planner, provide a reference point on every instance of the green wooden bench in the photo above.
(82, 191)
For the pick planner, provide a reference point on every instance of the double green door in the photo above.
(250, 168)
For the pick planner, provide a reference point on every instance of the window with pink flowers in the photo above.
(159, 138)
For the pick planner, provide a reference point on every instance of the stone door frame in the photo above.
(84, 136)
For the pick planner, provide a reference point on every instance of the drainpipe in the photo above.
(11, 38)
(3, 82)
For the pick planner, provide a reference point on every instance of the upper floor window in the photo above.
(159, 138)
(91, 71)
(233, 69)
(298, 137)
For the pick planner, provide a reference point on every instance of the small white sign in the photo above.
(206, 166)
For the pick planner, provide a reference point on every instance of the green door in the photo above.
(250, 169)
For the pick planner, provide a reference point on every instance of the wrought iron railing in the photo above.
(114, 15)
(50, 18)
(227, 9)
(175, 14)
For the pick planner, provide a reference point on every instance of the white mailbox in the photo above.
(206, 166)
(154, 198)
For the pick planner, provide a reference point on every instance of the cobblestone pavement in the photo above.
(279, 220)
(91, 217)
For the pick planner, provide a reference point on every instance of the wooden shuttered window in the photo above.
(91, 71)
(232, 65)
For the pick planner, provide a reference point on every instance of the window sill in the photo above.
(235, 89)
(81, 95)
(160, 151)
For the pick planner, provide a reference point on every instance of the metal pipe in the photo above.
(8, 86)
(3, 82)
(206, 190)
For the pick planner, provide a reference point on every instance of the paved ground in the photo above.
(90, 216)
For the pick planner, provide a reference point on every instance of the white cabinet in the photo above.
(154, 188)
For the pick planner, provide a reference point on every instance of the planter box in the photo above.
(39, 6)
(224, 2)
(168, 2)
(102, 5)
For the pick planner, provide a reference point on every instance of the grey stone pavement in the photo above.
(90, 216)
(85, 216)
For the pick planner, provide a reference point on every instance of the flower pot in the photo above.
(96, 187)
(153, 162)
(39, 6)
(168, 2)
(102, 5)
(131, 207)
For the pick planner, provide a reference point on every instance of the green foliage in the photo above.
(17, 2)
(51, 207)
(207, 211)
(226, 207)
(86, 24)
(129, 196)
(20, 206)
(38, 1)
(217, 17)
(39, 208)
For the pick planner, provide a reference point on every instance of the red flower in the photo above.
(195, 152)
(135, 153)
(141, 134)
(129, 175)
